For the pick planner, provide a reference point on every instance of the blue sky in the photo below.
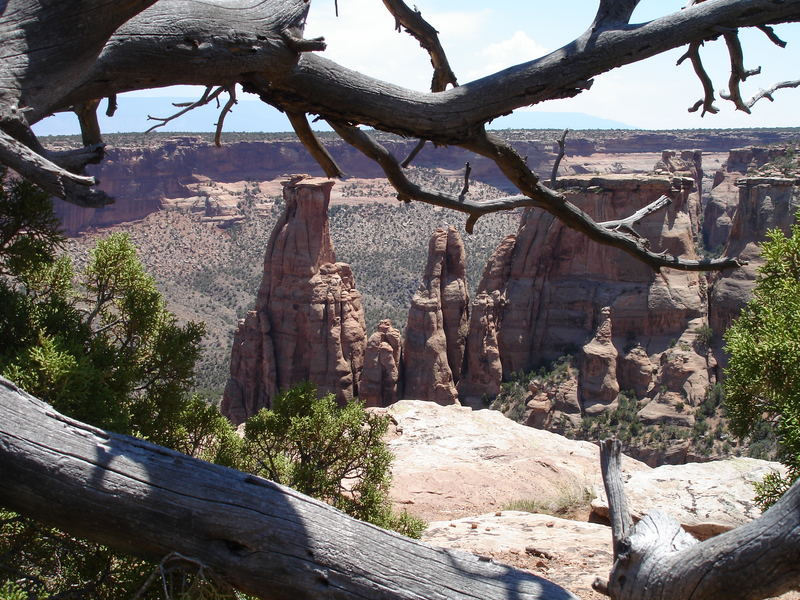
(481, 38)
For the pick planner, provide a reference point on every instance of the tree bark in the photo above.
(657, 560)
(262, 538)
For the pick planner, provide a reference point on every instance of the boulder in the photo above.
(706, 498)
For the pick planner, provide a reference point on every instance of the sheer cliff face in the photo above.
(309, 322)
(550, 291)
(433, 350)
(762, 203)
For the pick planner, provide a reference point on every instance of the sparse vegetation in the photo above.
(570, 502)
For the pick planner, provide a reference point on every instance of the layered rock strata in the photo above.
(764, 203)
(435, 337)
(380, 377)
(308, 324)
(555, 287)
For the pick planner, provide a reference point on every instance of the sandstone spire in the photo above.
(436, 332)
(308, 323)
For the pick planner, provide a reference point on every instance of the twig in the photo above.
(413, 154)
(225, 110)
(768, 93)
(312, 144)
(465, 189)
(561, 151)
(207, 97)
(707, 102)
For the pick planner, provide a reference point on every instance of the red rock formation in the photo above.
(724, 196)
(558, 287)
(598, 375)
(433, 350)
(763, 203)
(380, 376)
(308, 323)
(483, 370)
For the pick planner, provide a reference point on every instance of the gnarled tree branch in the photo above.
(657, 560)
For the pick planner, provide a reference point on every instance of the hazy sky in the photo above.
(481, 38)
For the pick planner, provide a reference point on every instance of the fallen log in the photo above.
(262, 538)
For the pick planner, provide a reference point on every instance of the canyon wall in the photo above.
(142, 172)
(308, 324)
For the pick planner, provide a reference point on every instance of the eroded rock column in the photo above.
(308, 324)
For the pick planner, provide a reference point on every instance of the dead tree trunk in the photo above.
(657, 560)
(262, 538)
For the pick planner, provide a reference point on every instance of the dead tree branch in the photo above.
(208, 96)
(768, 93)
(657, 560)
(707, 101)
(561, 151)
(224, 113)
(413, 154)
(428, 38)
(313, 145)
(738, 71)
(260, 537)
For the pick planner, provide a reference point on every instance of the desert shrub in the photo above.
(762, 387)
(336, 454)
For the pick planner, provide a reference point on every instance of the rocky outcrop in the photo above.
(308, 324)
(598, 376)
(557, 287)
(452, 462)
(433, 349)
(763, 203)
(706, 498)
(483, 369)
(724, 196)
(380, 377)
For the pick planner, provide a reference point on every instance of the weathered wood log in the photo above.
(655, 559)
(260, 537)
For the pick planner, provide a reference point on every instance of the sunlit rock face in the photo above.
(435, 337)
(308, 324)
(550, 290)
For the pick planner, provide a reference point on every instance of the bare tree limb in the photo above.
(313, 145)
(413, 154)
(770, 33)
(49, 176)
(465, 189)
(561, 151)
(628, 223)
(223, 113)
(428, 38)
(658, 560)
(707, 102)
(738, 71)
(768, 93)
(208, 96)
(87, 118)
